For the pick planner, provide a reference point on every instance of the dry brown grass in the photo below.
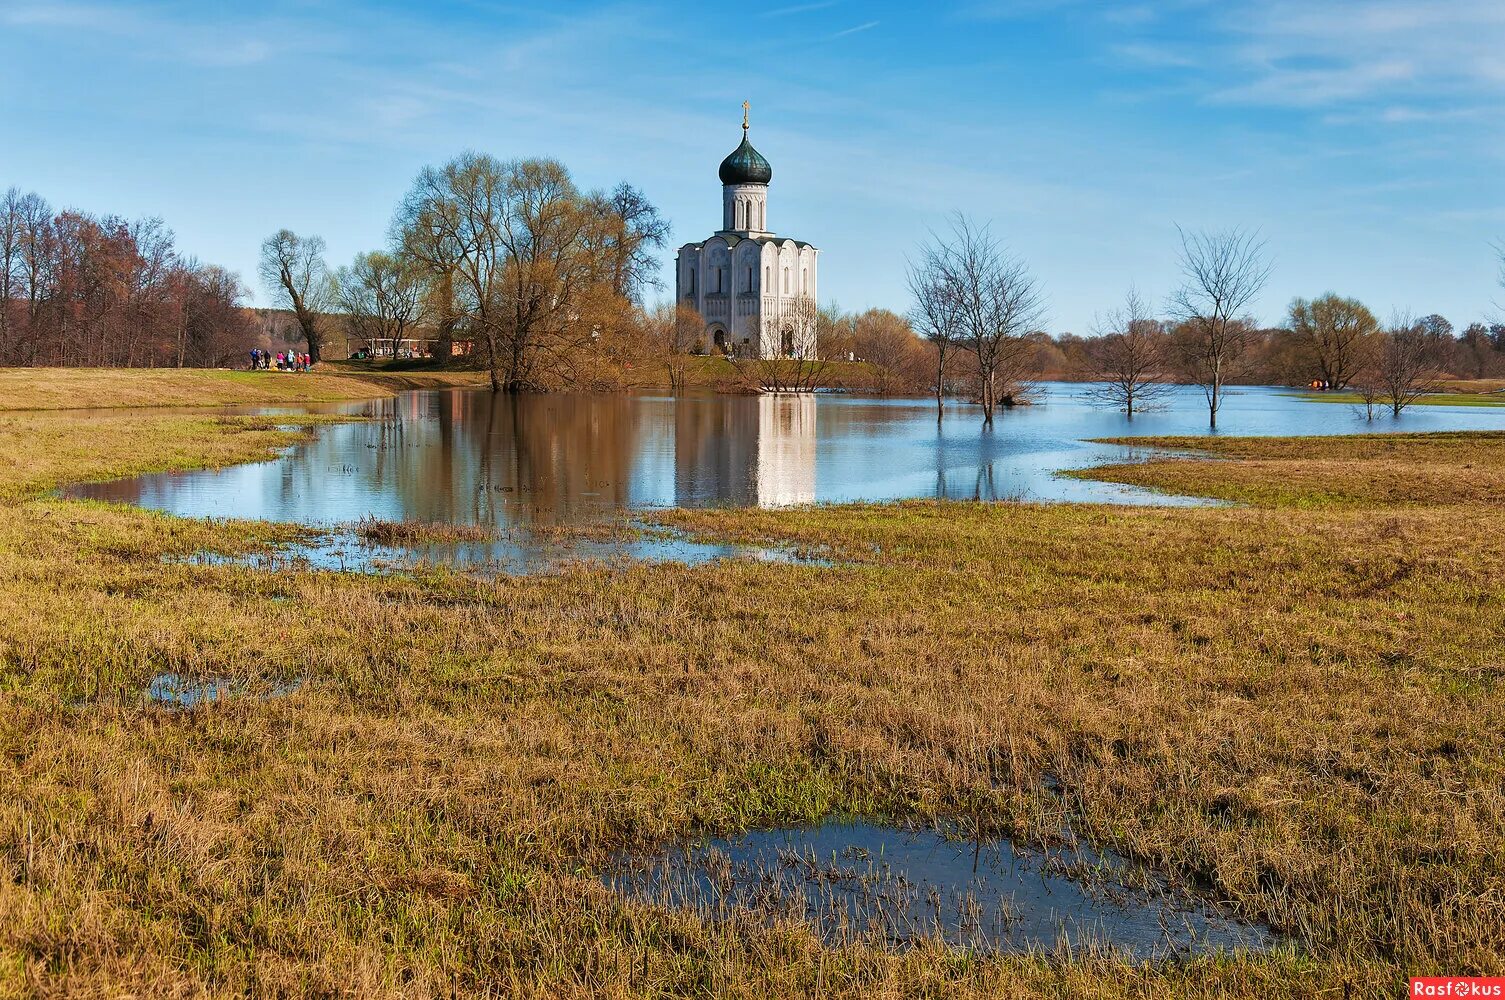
(1473, 385)
(97, 388)
(1298, 711)
(1374, 470)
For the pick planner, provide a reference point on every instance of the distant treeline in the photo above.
(87, 290)
(903, 362)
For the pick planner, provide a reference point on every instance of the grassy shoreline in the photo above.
(1440, 398)
(1295, 706)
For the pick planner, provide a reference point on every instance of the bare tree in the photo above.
(1366, 382)
(38, 263)
(1128, 359)
(936, 314)
(11, 247)
(998, 303)
(530, 260)
(1223, 272)
(383, 295)
(293, 269)
(671, 331)
(215, 324)
(1499, 248)
(1336, 331)
(633, 231)
(1407, 364)
(796, 365)
(887, 344)
(149, 291)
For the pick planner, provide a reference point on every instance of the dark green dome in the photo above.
(745, 166)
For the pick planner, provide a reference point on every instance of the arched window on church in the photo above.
(804, 282)
(786, 281)
(767, 277)
(762, 217)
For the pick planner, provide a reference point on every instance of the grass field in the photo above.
(1435, 399)
(1294, 706)
(1358, 471)
(88, 388)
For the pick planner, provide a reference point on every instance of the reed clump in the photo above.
(376, 531)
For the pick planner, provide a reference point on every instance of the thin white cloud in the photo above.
(1329, 53)
(801, 8)
(214, 42)
(854, 30)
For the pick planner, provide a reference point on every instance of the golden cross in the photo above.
(745, 107)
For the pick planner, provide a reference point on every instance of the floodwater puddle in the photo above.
(177, 691)
(861, 881)
(511, 553)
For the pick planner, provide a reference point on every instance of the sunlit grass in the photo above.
(88, 388)
(1356, 471)
(1296, 711)
(1433, 399)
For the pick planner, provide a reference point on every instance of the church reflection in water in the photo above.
(745, 451)
(516, 462)
(786, 450)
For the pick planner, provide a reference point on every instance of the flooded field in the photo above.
(540, 477)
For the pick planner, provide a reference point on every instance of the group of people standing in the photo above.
(282, 361)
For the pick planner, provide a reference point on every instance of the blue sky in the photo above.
(1361, 137)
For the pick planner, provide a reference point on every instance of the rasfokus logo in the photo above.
(1458, 986)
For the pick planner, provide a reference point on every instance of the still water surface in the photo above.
(519, 463)
(856, 880)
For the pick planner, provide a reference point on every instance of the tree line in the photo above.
(546, 283)
(542, 278)
(973, 331)
(82, 289)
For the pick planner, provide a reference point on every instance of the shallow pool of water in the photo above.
(860, 881)
(519, 464)
(179, 691)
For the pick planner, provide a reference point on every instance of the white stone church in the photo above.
(756, 291)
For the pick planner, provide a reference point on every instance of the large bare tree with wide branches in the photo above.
(997, 302)
(1222, 273)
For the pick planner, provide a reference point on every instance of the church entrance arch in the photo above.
(718, 337)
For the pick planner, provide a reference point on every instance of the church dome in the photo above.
(745, 165)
